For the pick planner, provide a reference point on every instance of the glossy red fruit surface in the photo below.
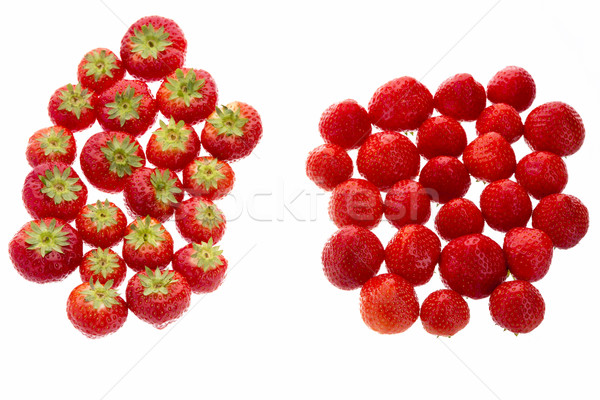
(99, 69)
(505, 205)
(356, 202)
(199, 220)
(528, 253)
(517, 306)
(345, 124)
(102, 224)
(490, 158)
(407, 202)
(155, 192)
(147, 244)
(103, 265)
(209, 178)
(441, 136)
(542, 173)
(460, 97)
(174, 145)
(329, 165)
(503, 119)
(444, 313)
(445, 178)
(563, 217)
(71, 106)
(513, 86)
(202, 265)
(51, 145)
(458, 217)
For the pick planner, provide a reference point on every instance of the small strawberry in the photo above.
(45, 250)
(147, 244)
(71, 107)
(460, 97)
(528, 253)
(100, 69)
(351, 257)
(356, 202)
(50, 145)
(345, 124)
(154, 192)
(505, 205)
(441, 136)
(103, 265)
(563, 217)
(329, 165)
(199, 220)
(457, 218)
(517, 306)
(513, 86)
(503, 119)
(542, 173)
(407, 202)
(444, 313)
(173, 145)
(101, 224)
(202, 265)
(208, 177)
(445, 178)
(490, 158)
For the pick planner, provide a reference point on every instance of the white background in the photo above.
(276, 328)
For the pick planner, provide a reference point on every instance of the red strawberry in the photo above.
(563, 217)
(356, 202)
(351, 257)
(96, 309)
(458, 217)
(388, 304)
(158, 298)
(54, 190)
(71, 107)
(231, 132)
(445, 178)
(505, 205)
(199, 220)
(542, 173)
(517, 306)
(345, 124)
(101, 225)
(329, 165)
(103, 265)
(400, 104)
(513, 86)
(407, 202)
(555, 127)
(188, 95)
(202, 265)
(386, 158)
(528, 253)
(413, 254)
(100, 69)
(441, 136)
(127, 106)
(209, 178)
(109, 158)
(154, 192)
(45, 250)
(444, 313)
(460, 97)
(490, 158)
(503, 119)
(153, 47)
(48, 145)
(473, 265)
(147, 244)
(173, 145)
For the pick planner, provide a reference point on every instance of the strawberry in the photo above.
(46, 250)
(127, 106)
(96, 309)
(528, 253)
(158, 298)
(100, 69)
(400, 104)
(199, 219)
(109, 158)
(388, 304)
(231, 132)
(460, 97)
(154, 192)
(503, 119)
(517, 306)
(71, 107)
(505, 205)
(188, 95)
(101, 224)
(473, 265)
(458, 217)
(173, 145)
(209, 178)
(444, 313)
(555, 127)
(542, 173)
(445, 178)
(153, 47)
(563, 217)
(413, 254)
(513, 86)
(147, 244)
(53, 144)
(202, 265)
(54, 190)
(345, 124)
(351, 257)
(386, 158)
(441, 136)
(103, 265)
(329, 165)
(407, 202)
(490, 158)
(356, 202)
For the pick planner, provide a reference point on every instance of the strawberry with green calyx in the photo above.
(103, 265)
(46, 250)
(71, 106)
(53, 144)
(199, 219)
(147, 244)
(101, 224)
(96, 309)
(202, 265)
(54, 190)
(100, 69)
(154, 192)
(173, 145)
(209, 178)
(158, 297)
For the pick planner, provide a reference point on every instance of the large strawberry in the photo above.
(445, 178)
(329, 165)
(528, 253)
(444, 313)
(173, 145)
(542, 173)
(147, 244)
(503, 119)
(517, 306)
(100, 69)
(505, 205)
(513, 86)
(407, 202)
(101, 224)
(356, 202)
(490, 158)
(53, 144)
(460, 97)
(345, 124)
(209, 178)
(457, 218)
(563, 217)
(441, 136)
(154, 192)
(103, 265)
(71, 107)
(202, 265)
(199, 219)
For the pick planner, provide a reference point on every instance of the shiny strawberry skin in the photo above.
(141, 196)
(542, 173)
(147, 255)
(407, 202)
(513, 86)
(563, 217)
(517, 306)
(36, 154)
(490, 158)
(198, 189)
(356, 202)
(69, 119)
(458, 217)
(505, 205)
(200, 281)
(444, 313)
(441, 136)
(105, 81)
(345, 124)
(460, 97)
(117, 275)
(329, 165)
(528, 253)
(173, 158)
(503, 119)
(445, 178)
(107, 236)
(191, 228)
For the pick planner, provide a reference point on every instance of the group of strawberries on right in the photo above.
(471, 264)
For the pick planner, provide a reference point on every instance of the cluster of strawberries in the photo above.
(471, 264)
(48, 248)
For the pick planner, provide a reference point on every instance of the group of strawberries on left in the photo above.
(48, 248)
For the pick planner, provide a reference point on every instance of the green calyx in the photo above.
(125, 106)
(156, 282)
(207, 255)
(144, 231)
(46, 238)
(208, 173)
(209, 215)
(102, 214)
(103, 262)
(164, 186)
(228, 122)
(99, 64)
(58, 186)
(75, 99)
(173, 136)
(54, 141)
(101, 295)
(185, 86)
(149, 41)
(122, 156)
